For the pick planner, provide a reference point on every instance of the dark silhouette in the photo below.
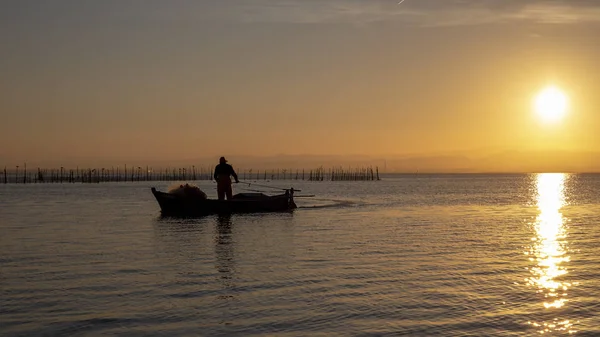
(222, 175)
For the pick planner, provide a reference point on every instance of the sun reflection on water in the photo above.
(548, 249)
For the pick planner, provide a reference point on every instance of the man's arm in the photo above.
(234, 175)
(215, 174)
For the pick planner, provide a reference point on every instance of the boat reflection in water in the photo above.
(225, 262)
(549, 252)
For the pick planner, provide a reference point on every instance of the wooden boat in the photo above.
(172, 204)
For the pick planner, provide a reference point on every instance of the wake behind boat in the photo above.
(191, 201)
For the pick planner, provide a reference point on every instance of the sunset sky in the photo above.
(168, 80)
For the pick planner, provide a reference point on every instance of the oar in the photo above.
(267, 186)
(251, 190)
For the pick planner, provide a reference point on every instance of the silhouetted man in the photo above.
(223, 173)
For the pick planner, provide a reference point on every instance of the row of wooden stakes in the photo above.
(133, 174)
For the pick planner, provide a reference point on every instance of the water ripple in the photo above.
(446, 255)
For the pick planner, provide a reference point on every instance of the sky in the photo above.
(146, 80)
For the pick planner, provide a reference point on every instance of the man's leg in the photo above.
(229, 192)
(220, 192)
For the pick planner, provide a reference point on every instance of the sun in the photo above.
(551, 104)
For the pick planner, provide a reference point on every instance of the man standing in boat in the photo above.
(223, 173)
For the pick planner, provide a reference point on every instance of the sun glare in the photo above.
(551, 104)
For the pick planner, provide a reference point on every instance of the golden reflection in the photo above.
(548, 249)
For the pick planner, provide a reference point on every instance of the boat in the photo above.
(193, 204)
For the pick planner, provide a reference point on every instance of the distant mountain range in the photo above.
(459, 162)
(503, 161)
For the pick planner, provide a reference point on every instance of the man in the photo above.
(223, 173)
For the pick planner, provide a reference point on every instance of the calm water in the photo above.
(448, 255)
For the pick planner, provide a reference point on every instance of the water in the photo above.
(451, 255)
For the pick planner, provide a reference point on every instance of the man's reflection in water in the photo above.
(224, 254)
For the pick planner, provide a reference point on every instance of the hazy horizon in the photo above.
(142, 82)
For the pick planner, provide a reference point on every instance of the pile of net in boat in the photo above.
(188, 190)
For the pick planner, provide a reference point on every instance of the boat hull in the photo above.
(178, 205)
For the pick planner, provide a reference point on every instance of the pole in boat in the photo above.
(267, 186)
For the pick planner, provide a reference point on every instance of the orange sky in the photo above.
(157, 81)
